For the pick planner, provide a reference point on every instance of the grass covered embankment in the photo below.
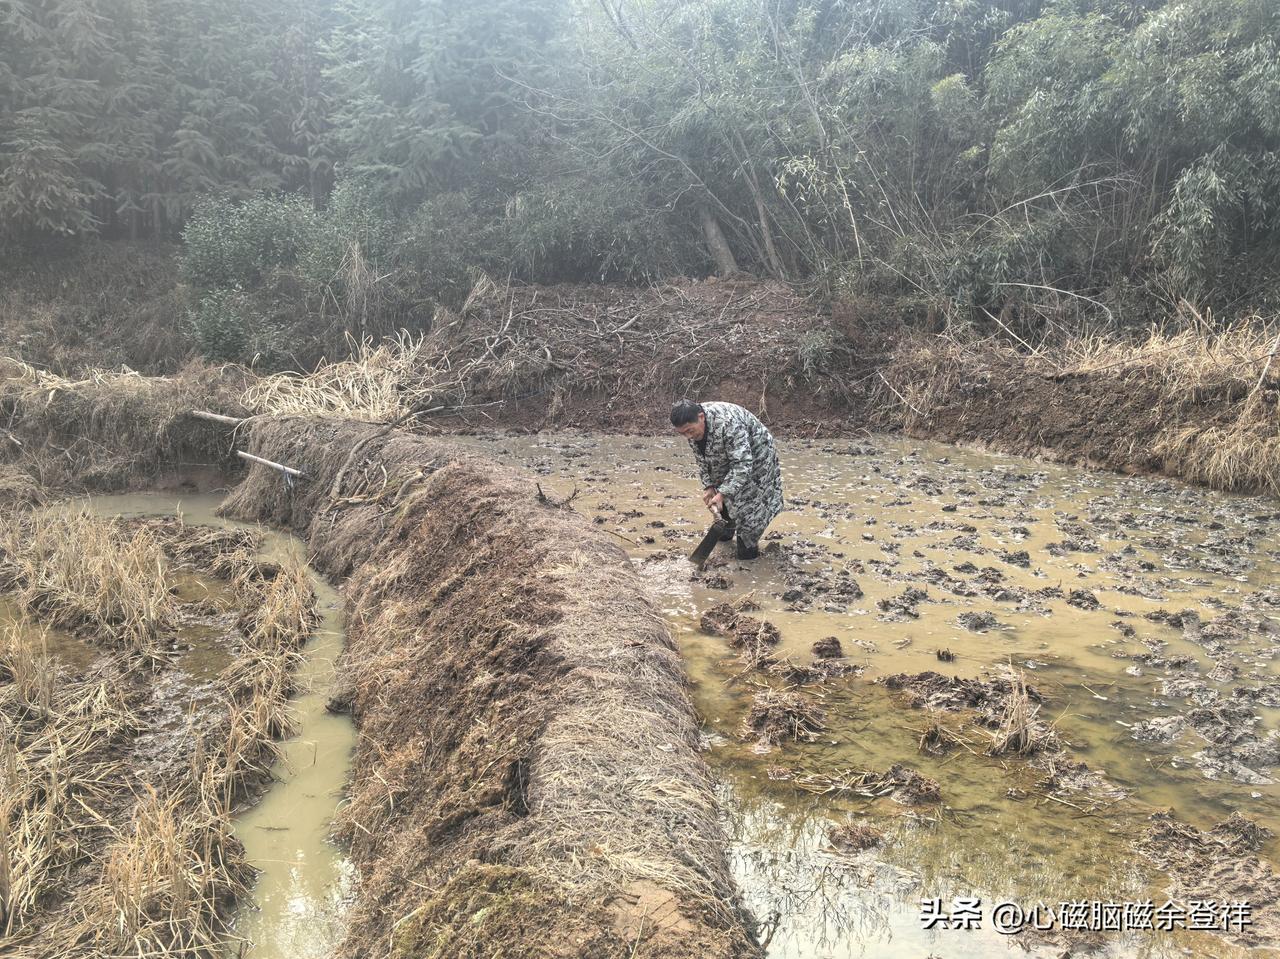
(1198, 404)
(107, 430)
(527, 768)
(1189, 399)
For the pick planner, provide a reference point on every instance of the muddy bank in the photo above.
(526, 768)
(116, 430)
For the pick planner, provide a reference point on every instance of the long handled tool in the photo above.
(715, 534)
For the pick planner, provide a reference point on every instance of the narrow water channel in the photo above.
(304, 881)
(1079, 580)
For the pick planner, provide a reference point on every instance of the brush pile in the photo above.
(616, 354)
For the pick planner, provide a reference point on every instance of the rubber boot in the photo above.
(746, 551)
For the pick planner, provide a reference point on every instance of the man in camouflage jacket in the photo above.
(738, 465)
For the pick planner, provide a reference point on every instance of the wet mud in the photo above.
(1139, 613)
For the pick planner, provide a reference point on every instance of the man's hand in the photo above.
(709, 494)
(716, 502)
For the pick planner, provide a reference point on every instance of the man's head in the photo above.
(689, 419)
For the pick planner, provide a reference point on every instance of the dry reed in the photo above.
(77, 570)
(1020, 731)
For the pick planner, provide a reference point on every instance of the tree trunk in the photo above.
(717, 245)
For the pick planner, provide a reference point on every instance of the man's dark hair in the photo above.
(685, 412)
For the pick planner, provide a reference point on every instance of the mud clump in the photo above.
(854, 837)
(752, 636)
(18, 488)
(977, 622)
(900, 783)
(827, 648)
(818, 671)
(779, 717)
(1083, 599)
(1009, 708)
(903, 606)
(931, 690)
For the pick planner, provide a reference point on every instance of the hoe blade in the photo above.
(708, 543)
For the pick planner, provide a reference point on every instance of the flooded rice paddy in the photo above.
(1144, 612)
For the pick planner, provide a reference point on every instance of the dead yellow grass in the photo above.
(165, 877)
(1188, 358)
(55, 771)
(78, 570)
(376, 382)
(156, 868)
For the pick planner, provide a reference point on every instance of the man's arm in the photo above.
(738, 446)
(704, 473)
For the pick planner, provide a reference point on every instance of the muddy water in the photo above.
(305, 880)
(895, 514)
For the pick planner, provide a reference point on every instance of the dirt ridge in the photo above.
(527, 749)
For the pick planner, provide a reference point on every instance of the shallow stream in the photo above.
(1081, 572)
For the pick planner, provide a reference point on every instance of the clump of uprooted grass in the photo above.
(77, 570)
(777, 716)
(900, 783)
(1019, 731)
(221, 551)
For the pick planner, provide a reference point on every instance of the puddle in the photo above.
(1081, 572)
(305, 881)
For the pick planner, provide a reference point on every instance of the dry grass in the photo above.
(157, 871)
(107, 429)
(56, 770)
(166, 878)
(782, 716)
(1020, 732)
(1192, 356)
(900, 783)
(78, 570)
(379, 382)
(280, 615)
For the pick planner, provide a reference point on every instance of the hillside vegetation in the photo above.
(338, 167)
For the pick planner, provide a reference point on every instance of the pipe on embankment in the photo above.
(526, 775)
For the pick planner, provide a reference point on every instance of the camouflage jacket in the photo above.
(740, 460)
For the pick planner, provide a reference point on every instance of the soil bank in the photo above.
(526, 770)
